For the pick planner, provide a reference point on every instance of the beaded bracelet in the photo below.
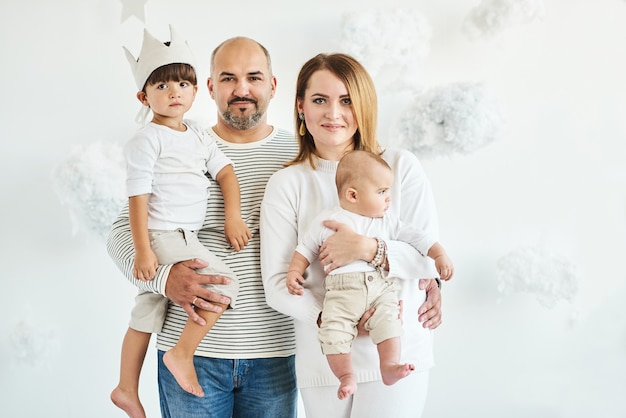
(381, 251)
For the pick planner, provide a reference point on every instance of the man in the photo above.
(245, 365)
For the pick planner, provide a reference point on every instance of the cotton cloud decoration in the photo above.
(550, 277)
(387, 40)
(31, 344)
(91, 182)
(493, 16)
(455, 118)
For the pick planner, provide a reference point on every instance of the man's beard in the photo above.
(242, 123)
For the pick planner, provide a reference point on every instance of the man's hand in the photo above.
(185, 288)
(430, 311)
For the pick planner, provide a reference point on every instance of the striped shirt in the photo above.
(253, 330)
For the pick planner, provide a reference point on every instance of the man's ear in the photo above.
(209, 86)
(141, 96)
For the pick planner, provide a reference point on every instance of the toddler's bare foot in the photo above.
(184, 371)
(393, 372)
(347, 386)
(128, 402)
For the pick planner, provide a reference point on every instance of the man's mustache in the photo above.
(241, 99)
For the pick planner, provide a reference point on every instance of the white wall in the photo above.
(556, 181)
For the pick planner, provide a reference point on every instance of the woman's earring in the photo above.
(302, 129)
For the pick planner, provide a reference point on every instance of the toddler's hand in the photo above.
(145, 265)
(237, 233)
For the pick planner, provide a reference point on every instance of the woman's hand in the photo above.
(360, 327)
(345, 246)
(362, 331)
(430, 311)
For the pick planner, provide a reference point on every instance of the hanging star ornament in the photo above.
(134, 8)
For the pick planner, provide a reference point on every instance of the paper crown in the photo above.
(155, 54)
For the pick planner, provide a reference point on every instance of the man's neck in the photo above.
(237, 136)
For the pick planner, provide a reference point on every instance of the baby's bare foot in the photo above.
(347, 386)
(393, 372)
(128, 402)
(184, 371)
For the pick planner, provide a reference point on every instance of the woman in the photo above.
(336, 109)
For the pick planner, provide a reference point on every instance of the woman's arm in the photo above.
(279, 238)
(414, 201)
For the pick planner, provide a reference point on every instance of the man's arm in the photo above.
(179, 282)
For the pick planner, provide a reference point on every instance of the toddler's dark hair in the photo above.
(173, 72)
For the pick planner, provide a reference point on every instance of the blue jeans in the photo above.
(244, 388)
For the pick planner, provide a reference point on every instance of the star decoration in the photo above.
(134, 8)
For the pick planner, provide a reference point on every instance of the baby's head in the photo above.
(363, 181)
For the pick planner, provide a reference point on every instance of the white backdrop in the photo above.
(554, 182)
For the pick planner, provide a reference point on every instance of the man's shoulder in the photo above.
(286, 137)
(280, 145)
(284, 133)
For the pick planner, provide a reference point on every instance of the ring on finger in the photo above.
(193, 303)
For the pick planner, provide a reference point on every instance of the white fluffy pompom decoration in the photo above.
(493, 16)
(392, 40)
(91, 182)
(33, 344)
(550, 277)
(455, 118)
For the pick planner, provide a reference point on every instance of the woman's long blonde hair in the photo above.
(362, 95)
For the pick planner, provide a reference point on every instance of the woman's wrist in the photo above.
(380, 257)
(369, 248)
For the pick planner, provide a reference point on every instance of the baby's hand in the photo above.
(237, 233)
(444, 267)
(145, 265)
(295, 282)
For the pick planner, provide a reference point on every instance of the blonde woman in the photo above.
(336, 112)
